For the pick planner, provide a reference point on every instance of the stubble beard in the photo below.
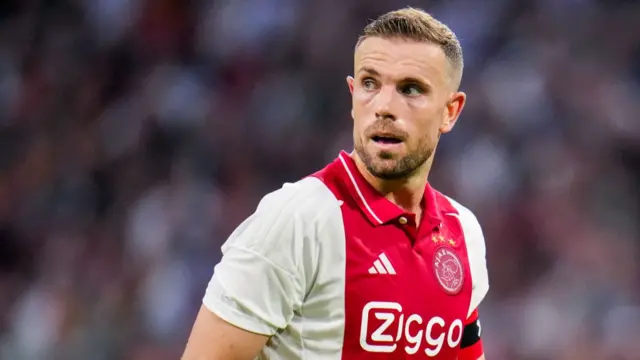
(383, 165)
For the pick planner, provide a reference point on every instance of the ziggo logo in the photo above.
(435, 333)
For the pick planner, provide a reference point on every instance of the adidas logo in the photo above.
(382, 265)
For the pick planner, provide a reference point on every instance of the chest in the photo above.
(407, 291)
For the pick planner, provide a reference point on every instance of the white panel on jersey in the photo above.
(476, 251)
(272, 265)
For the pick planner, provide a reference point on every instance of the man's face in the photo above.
(403, 100)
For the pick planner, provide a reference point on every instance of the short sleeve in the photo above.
(261, 279)
(476, 251)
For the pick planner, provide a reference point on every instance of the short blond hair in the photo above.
(418, 25)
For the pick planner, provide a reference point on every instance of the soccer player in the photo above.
(363, 259)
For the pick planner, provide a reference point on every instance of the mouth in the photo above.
(386, 139)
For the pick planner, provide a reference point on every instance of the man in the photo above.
(362, 260)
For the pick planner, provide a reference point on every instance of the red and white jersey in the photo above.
(330, 269)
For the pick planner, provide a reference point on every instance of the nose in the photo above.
(385, 102)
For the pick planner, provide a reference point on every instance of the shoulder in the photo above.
(291, 214)
(473, 235)
(308, 199)
(468, 220)
(308, 204)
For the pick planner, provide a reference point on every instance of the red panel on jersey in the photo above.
(408, 287)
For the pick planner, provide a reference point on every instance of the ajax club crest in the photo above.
(448, 270)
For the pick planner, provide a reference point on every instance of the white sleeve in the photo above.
(261, 279)
(476, 251)
(477, 261)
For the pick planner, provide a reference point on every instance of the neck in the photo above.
(407, 192)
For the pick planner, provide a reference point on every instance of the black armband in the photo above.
(471, 334)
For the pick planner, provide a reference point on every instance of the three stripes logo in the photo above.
(382, 265)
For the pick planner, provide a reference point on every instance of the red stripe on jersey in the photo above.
(473, 317)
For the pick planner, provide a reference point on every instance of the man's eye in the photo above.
(368, 84)
(412, 90)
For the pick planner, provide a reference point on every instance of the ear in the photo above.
(350, 83)
(452, 111)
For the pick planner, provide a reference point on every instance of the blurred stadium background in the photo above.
(136, 134)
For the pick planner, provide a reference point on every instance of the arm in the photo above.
(471, 344)
(256, 287)
(231, 342)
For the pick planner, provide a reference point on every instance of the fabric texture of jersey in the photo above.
(330, 269)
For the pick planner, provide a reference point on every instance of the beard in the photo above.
(387, 165)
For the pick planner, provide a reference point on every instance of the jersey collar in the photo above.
(374, 205)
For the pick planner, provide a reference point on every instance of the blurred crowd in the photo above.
(136, 134)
